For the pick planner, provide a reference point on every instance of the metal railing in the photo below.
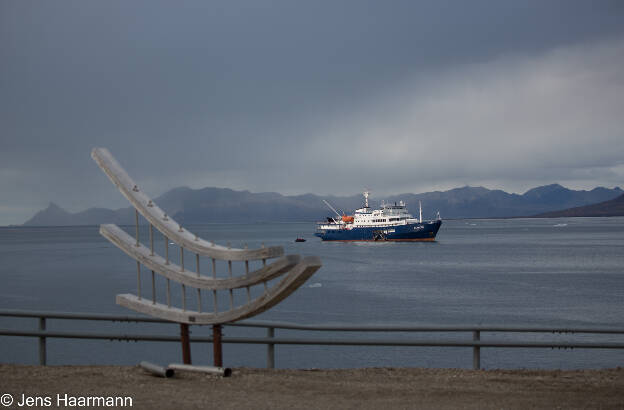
(475, 342)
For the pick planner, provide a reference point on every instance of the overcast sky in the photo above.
(328, 97)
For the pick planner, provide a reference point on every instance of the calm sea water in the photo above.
(550, 272)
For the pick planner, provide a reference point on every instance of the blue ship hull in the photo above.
(420, 232)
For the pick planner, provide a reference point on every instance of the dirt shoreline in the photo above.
(370, 388)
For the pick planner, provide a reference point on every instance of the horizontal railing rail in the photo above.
(78, 316)
(316, 327)
(308, 341)
(270, 341)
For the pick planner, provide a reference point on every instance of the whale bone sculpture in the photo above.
(293, 270)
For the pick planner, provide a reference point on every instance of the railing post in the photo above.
(217, 353)
(270, 349)
(42, 343)
(476, 351)
(186, 345)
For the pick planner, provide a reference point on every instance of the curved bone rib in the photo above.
(174, 272)
(275, 294)
(165, 224)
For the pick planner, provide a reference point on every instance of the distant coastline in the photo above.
(214, 205)
(613, 207)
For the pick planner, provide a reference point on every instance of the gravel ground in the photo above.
(374, 388)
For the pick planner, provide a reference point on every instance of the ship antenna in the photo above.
(366, 198)
(420, 211)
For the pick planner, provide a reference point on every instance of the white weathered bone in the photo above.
(166, 224)
(292, 269)
(271, 297)
(172, 271)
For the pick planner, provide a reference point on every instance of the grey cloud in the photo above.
(514, 118)
(268, 95)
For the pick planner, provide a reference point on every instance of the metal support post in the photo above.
(476, 351)
(216, 346)
(136, 219)
(186, 344)
(270, 349)
(42, 343)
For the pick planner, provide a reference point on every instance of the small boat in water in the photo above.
(300, 240)
(390, 223)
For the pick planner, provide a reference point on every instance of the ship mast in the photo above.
(420, 211)
(366, 198)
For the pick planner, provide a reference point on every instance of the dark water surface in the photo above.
(546, 272)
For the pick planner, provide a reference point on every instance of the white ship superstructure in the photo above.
(390, 222)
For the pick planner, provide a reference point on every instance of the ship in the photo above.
(392, 222)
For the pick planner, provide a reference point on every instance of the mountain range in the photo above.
(612, 207)
(209, 205)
